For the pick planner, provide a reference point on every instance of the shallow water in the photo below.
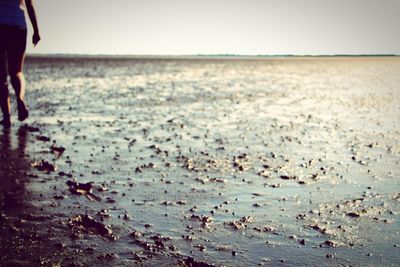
(309, 148)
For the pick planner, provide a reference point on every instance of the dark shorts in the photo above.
(12, 39)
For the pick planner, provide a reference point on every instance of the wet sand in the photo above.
(204, 162)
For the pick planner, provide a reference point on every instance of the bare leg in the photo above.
(15, 65)
(4, 96)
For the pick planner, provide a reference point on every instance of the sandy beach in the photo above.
(204, 162)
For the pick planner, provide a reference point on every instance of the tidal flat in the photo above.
(204, 162)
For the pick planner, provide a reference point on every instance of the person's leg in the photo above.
(15, 58)
(4, 95)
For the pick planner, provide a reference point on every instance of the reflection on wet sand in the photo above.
(13, 170)
(21, 245)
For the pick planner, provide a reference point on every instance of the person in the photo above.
(13, 33)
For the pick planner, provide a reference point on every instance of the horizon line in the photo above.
(84, 55)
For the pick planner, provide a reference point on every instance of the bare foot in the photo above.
(23, 112)
(6, 123)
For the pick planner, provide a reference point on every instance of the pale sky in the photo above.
(184, 27)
